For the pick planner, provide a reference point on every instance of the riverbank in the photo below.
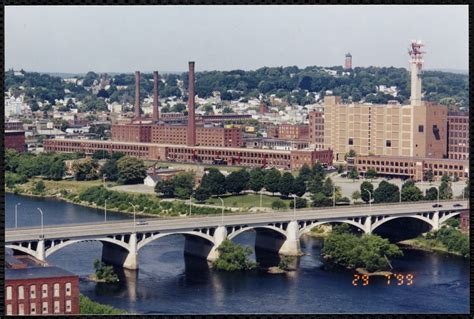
(89, 307)
(424, 244)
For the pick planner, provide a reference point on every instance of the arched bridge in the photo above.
(278, 231)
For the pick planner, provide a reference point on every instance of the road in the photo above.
(187, 223)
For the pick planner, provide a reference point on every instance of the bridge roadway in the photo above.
(215, 229)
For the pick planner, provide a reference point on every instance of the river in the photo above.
(169, 283)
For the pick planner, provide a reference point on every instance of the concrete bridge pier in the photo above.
(368, 225)
(435, 221)
(220, 235)
(119, 256)
(291, 246)
(40, 250)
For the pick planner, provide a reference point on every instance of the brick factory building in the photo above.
(293, 131)
(287, 159)
(413, 168)
(34, 288)
(316, 129)
(458, 135)
(15, 140)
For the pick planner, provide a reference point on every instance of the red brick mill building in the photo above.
(188, 140)
(33, 287)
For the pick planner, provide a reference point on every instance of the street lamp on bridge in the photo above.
(41, 212)
(222, 215)
(16, 214)
(134, 222)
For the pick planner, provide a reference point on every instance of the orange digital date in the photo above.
(399, 279)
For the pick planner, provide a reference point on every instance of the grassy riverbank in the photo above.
(89, 307)
(447, 240)
(92, 194)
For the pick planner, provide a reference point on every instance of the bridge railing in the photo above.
(327, 208)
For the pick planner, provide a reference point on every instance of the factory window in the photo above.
(56, 306)
(68, 305)
(45, 307)
(420, 128)
(9, 292)
(21, 292)
(45, 290)
(68, 289)
(33, 308)
(388, 143)
(33, 291)
(56, 290)
(351, 141)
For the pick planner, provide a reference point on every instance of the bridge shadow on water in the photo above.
(402, 229)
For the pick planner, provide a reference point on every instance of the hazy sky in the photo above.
(165, 38)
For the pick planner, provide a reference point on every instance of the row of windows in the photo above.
(44, 291)
(44, 308)
(458, 134)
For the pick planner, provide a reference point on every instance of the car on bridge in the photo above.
(457, 205)
(437, 205)
(142, 222)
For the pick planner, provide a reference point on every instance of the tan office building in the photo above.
(416, 130)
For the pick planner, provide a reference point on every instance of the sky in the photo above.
(77, 39)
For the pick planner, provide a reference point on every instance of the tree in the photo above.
(431, 193)
(445, 178)
(101, 155)
(328, 187)
(237, 181)
(109, 169)
(256, 179)
(364, 187)
(85, 170)
(351, 154)
(131, 170)
(429, 175)
(286, 184)
(353, 174)
(299, 186)
(233, 257)
(272, 180)
(202, 194)
(56, 170)
(300, 203)
(165, 187)
(411, 194)
(278, 204)
(183, 185)
(305, 172)
(214, 181)
(318, 171)
(39, 187)
(445, 190)
(370, 173)
(320, 200)
(340, 169)
(386, 193)
(227, 110)
(356, 196)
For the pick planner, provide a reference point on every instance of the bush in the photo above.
(278, 204)
(39, 187)
(90, 307)
(300, 203)
(233, 257)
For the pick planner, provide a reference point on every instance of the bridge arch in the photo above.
(147, 240)
(23, 249)
(447, 216)
(386, 219)
(308, 227)
(235, 233)
(51, 250)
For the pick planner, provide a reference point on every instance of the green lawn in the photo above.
(245, 201)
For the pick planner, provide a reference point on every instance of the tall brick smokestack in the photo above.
(191, 117)
(156, 114)
(137, 94)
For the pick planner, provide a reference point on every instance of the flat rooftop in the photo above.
(36, 272)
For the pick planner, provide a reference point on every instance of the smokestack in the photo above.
(156, 114)
(191, 117)
(137, 94)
